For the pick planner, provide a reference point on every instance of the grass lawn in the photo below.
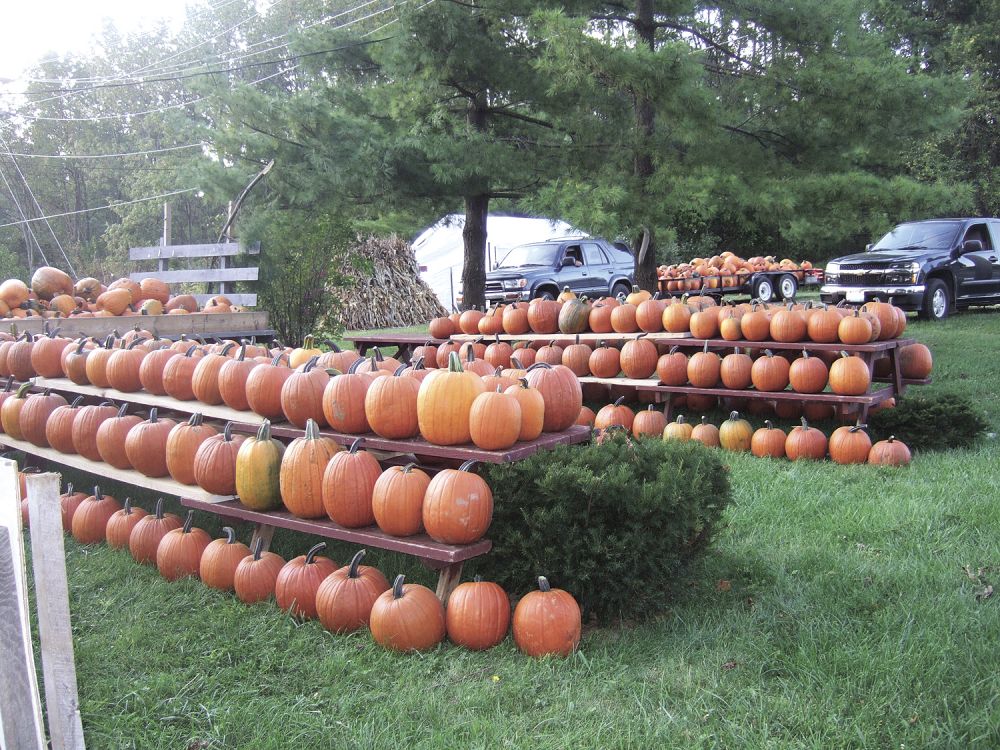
(832, 612)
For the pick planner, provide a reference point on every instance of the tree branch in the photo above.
(271, 135)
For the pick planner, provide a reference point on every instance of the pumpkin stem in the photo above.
(650, 407)
(277, 360)
(397, 587)
(892, 438)
(188, 521)
(542, 365)
(352, 571)
(98, 495)
(22, 391)
(264, 431)
(195, 420)
(69, 488)
(312, 429)
(543, 584)
(127, 506)
(705, 349)
(122, 411)
(190, 351)
(516, 363)
(333, 346)
(844, 354)
(419, 364)
(734, 415)
(680, 417)
(258, 548)
(467, 466)
(311, 363)
(358, 442)
(454, 363)
(769, 424)
(399, 370)
(79, 348)
(10, 385)
(159, 508)
(152, 415)
(618, 401)
(805, 424)
(230, 534)
(243, 352)
(76, 402)
(858, 427)
(227, 432)
(313, 551)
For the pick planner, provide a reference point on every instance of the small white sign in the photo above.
(855, 295)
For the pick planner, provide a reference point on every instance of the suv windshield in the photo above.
(530, 255)
(920, 236)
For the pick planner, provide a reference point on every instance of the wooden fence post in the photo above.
(48, 561)
(20, 707)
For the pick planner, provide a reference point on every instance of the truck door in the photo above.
(976, 270)
(598, 270)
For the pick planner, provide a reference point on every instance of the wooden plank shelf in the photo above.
(870, 348)
(161, 485)
(405, 343)
(585, 338)
(209, 325)
(247, 421)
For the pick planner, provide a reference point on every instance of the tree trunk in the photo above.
(477, 206)
(645, 120)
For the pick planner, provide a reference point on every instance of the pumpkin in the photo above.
(69, 501)
(706, 433)
(756, 324)
(543, 315)
(217, 568)
(600, 317)
(444, 353)
(679, 429)
(297, 582)
(574, 316)
(515, 319)
(179, 552)
(145, 536)
(497, 354)
(64, 304)
(854, 329)
(232, 380)
(344, 401)
(407, 617)
(735, 370)
(154, 289)
(398, 499)
(704, 324)
(442, 328)
(264, 387)
(122, 368)
(672, 367)
(623, 319)
(551, 354)
(889, 452)
(576, 357)
(90, 520)
(788, 325)
(444, 403)
(345, 598)
(151, 370)
(735, 433)
(547, 621)
(390, 406)
(47, 282)
(256, 574)
(302, 394)
(649, 423)
(587, 417)
(704, 368)
(850, 445)
(915, 361)
(770, 373)
(215, 462)
(111, 436)
(805, 442)
(808, 374)
(823, 325)
(491, 324)
(258, 466)
(495, 420)
(849, 376)
(768, 441)
(348, 484)
(35, 414)
(19, 358)
(205, 377)
(468, 321)
(377, 362)
(46, 355)
(562, 394)
(342, 359)
(605, 361)
(182, 445)
(178, 372)
(146, 445)
(85, 427)
(886, 314)
(74, 362)
(638, 358)
(458, 506)
(114, 301)
(478, 615)
(637, 296)
(676, 317)
(566, 295)
(302, 354)
(59, 427)
(121, 523)
(14, 293)
(300, 478)
(532, 406)
(614, 414)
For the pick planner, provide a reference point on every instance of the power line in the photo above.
(108, 156)
(99, 208)
(25, 223)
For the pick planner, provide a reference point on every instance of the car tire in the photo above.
(763, 289)
(937, 301)
(788, 286)
(621, 289)
(546, 295)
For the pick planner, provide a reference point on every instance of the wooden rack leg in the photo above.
(263, 532)
(448, 578)
(668, 406)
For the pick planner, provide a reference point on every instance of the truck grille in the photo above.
(494, 286)
(861, 274)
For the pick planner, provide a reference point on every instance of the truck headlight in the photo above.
(515, 283)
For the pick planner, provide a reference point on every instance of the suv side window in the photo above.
(994, 227)
(981, 233)
(593, 255)
(574, 252)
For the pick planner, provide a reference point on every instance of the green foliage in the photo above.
(925, 423)
(611, 523)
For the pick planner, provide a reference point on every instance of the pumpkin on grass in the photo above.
(348, 485)
(69, 501)
(220, 559)
(735, 434)
(121, 523)
(297, 582)
(90, 520)
(407, 617)
(258, 468)
(889, 452)
(805, 442)
(478, 615)
(706, 433)
(256, 574)
(547, 621)
(768, 441)
(679, 429)
(649, 423)
(458, 506)
(300, 478)
(179, 553)
(345, 598)
(850, 445)
(145, 536)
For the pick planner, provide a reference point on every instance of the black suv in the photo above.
(933, 267)
(588, 266)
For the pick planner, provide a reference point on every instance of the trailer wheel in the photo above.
(763, 289)
(788, 286)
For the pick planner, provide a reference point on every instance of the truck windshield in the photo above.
(920, 236)
(530, 255)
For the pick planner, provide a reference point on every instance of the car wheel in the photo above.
(937, 301)
(763, 290)
(788, 286)
(621, 289)
(546, 295)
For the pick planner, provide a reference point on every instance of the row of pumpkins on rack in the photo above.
(725, 270)
(845, 445)
(345, 599)
(339, 389)
(700, 316)
(54, 294)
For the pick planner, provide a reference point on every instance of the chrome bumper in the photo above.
(886, 290)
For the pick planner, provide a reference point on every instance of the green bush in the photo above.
(613, 524)
(926, 423)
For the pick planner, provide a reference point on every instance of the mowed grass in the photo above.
(832, 611)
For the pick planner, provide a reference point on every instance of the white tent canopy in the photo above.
(439, 249)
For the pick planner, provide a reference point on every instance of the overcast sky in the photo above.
(33, 29)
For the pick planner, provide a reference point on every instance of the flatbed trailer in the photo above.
(766, 286)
